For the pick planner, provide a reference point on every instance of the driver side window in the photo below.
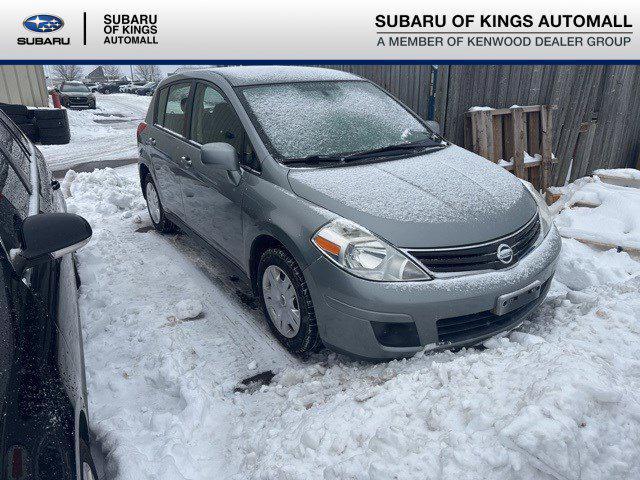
(215, 120)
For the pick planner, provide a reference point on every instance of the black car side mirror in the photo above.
(220, 155)
(47, 236)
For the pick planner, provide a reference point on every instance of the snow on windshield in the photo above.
(329, 118)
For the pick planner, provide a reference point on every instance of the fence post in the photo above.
(518, 142)
(546, 124)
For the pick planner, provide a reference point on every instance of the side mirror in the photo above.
(47, 236)
(435, 126)
(222, 156)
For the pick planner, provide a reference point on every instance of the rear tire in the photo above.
(156, 212)
(305, 339)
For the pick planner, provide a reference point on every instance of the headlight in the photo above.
(546, 219)
(359, 252)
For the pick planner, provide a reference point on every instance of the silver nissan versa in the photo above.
(357, 225)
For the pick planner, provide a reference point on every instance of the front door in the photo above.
(164, 141)
(213, 198)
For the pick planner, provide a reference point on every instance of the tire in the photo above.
(30, 131)
(51, 124)
(50, 114)
(54, 139)
(161, 223)
(306, 340)
(14, 110)
(87, 467)
(19, 119)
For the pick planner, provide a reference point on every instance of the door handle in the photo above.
(186, 161)
(151, 141)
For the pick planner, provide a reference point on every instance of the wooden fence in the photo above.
(597, 124)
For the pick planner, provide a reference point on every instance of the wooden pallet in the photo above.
(506, 133)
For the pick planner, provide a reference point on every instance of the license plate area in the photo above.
(514, 300)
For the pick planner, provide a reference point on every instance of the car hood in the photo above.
(449, 197)
(76, 94)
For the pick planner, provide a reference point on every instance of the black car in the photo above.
(43, 400)
(147, 88)
(76, 95)
(111, 87)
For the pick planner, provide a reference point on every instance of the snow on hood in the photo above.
(445, 198)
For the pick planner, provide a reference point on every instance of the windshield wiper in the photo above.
(313, 159)
(401, 148)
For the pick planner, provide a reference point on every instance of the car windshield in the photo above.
(307, 119)
(77, 88)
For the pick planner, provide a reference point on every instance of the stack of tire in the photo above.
(23, 117)
(53, 126)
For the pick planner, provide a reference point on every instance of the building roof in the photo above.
(258, 75)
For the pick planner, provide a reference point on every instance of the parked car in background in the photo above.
(76, 95)
(43, 399)
(131, 87)
(356, 223)
(111, 87)
(147, 88)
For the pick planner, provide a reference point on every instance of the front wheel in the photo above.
(156, 212)
(286, 302)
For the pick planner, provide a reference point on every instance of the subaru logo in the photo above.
(43, 23)
(505, 253)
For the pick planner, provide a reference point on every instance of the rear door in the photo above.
(164, 140)
(213, 198)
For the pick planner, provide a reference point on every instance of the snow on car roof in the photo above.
(264, 74)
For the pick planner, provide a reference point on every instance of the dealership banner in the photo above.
(328, 30)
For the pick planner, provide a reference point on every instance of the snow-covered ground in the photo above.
(168, 337)
(106, 133)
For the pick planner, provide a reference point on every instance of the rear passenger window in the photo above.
(162, 105)
(175, 109)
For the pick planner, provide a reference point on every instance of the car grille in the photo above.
(480, 257)
(459, 329)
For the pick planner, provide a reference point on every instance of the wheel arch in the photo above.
(144, 170)
(274, 238)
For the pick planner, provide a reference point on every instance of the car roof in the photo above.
(266, 74)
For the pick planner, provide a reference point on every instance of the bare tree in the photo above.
(148, 73)
(111, 71)
(67, 72)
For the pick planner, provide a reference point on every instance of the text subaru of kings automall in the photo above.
(356, 224)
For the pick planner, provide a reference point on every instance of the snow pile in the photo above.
(165, 343)
(625, 173)
(556, 399)
(610, 215)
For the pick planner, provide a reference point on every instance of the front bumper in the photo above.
(353, 314)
